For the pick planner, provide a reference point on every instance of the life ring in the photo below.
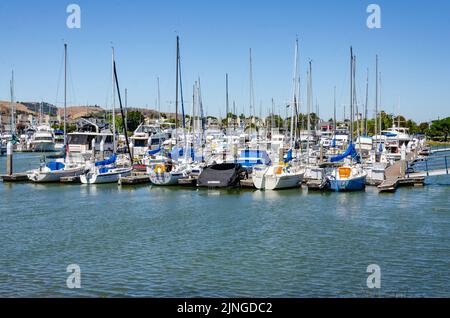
(160, 168)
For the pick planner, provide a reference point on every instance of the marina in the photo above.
(232, 150)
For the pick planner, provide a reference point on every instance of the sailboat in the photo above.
(105, 171)
(108, 171)
(53, 171)
(170, 172)
(350, 176)
(278, 176)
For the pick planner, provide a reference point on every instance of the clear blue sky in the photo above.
(413, 46)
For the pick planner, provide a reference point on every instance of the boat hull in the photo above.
(108, 177)
(165, 178)
(283, 182)
(53, 176)
(353, 184)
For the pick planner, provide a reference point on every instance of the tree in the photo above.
(440, 129)
(134, 119)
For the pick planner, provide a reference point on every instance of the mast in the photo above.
(227, 105)
(334, 114)
(294, 92)
(308, 124)
(114, 103)
(376, 103)
(159, 101)
(176, 89)
(251, 92)
(366, 104)
(13, 120)
(126, 108)
(121, 111)
(351, 95)
(65, 95)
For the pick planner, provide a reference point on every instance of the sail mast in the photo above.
(376, 103)
(13, 121)
(176, 90)
(113, 103)
(294, 92)
(351, 95)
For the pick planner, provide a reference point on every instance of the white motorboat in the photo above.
(43, 140)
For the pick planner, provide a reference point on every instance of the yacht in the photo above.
(43, 139)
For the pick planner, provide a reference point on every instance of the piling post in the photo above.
(9, 158)
(131, 145)
(102, 146)
(93, 149)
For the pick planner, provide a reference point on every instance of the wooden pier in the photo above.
(15, 177)
(316, 184)
(74, 179)
(135, 178)
(247, 183)
(190, 181)
(390, 185)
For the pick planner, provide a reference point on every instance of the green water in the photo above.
(177, 242)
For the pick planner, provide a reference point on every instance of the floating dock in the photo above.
(75, 179)
(247, 183)
(15, 177)
(191, 181)
(135, 178)
(390, 185)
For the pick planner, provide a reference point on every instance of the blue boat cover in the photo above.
(247, 158)
(154, 152)
(288, 156)
(55, 165)
(351, 151)
(103, 170)
(106, 162)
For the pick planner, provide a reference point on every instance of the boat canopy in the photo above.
(154, 152)
(250, 158)
(351, 151)
(55, 165)
(106, 162)
(221, 175)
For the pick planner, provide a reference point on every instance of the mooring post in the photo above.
(446, 166)
(9, 158)
(93, 149)
(102, 145)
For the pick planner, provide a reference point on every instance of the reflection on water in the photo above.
(176, 242)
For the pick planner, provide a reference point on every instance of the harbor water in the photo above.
(183, 242)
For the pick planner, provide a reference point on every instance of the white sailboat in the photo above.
(53, 171)
(109, 171)
(276, 177)
(105, 171)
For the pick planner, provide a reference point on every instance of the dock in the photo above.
(390, 185)
(135, 178)
(15, 177)
(190, 181)
(314, 184)
(74, 179)
(247, 183)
